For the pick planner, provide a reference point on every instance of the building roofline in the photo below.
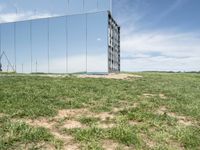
(95, 12)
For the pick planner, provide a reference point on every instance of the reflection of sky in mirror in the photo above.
(28, 9)
(63, 48)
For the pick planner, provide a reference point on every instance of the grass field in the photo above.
(155, 111)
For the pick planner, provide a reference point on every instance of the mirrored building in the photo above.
(86, 39)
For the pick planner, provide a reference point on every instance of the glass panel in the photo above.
(77, 43)
(40, 45)
(42, 7)
(45, 8)
(57, 44)
(97, 42)
(75, 6)
(8, 47)
(23, 47)
(90, 5)
(104, 5)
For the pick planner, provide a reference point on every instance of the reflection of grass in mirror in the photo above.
(7, 72)
(167, 114)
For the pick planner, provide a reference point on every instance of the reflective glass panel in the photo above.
(104, 5)
(40, 8)
(8, 47)
(97, 42)
(77, 43)
(46, 8)
(23, 47)
(57, 45)
(90, 5)
(76, 6)
(40, 45)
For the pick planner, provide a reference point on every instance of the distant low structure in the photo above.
(1, 67)
(85, 40)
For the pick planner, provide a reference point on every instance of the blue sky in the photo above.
(155, 34)
(159, 34)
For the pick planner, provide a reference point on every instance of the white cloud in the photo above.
(174, 44)
(12, 17)
(144, 48)
(161, 63)
(161, 50)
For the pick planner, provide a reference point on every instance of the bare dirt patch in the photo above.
(134, 123)
(121, 76)
(2, 115)
(72, 113)
(77, 113)
(109, 145)
(162, 110)
(149, 143)
(116, 110)
(181, 119)
(40, 123)
(72, 124)
(104, 116)
(41, 145)
(175, 145)
(105, 125)
(127, 106)
(68, 141)
(50, 124)
(162, 96)
(147, 95)
(112, 145)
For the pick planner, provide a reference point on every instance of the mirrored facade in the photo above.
(86, 40)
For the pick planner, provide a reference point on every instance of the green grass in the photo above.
(88, 120)
(14, 135)
(32, 97)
